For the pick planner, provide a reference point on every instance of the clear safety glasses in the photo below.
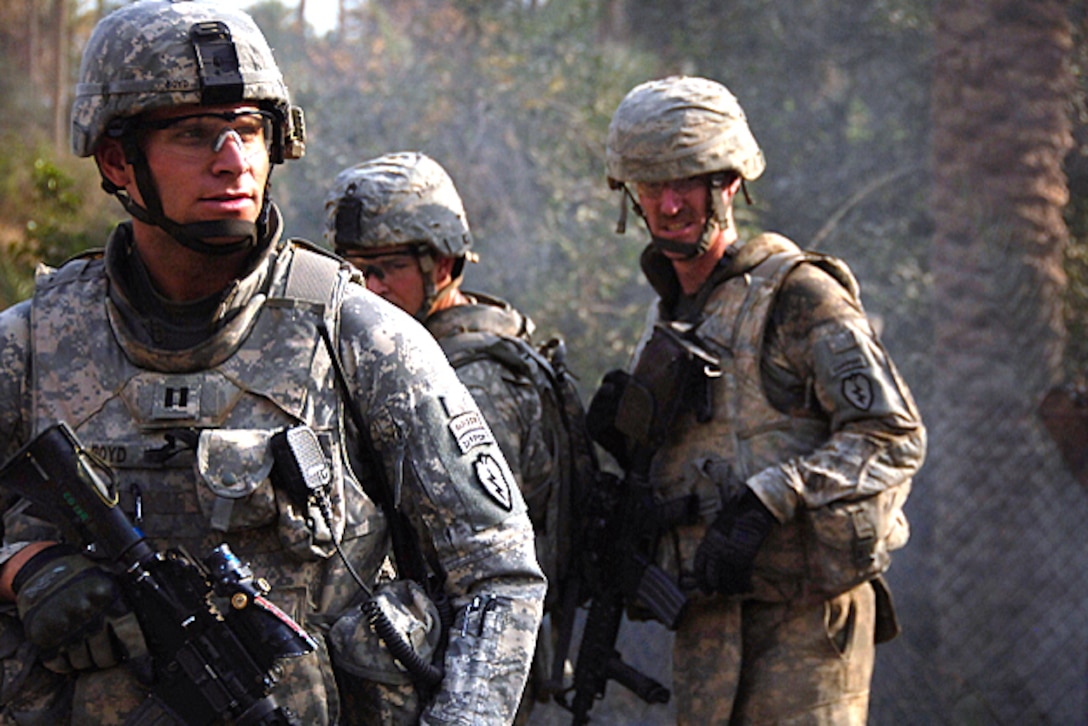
(199, 136)
(384, 266)
(680, 187)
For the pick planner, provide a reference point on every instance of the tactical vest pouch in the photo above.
(358, 649)
(672, 374)
(234, 467)
(848, 543)
(236, 470)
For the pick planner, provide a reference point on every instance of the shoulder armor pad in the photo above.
(466, 348)
(837, 269)
(81, 266)
(314, 273)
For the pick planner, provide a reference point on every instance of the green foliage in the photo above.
(51, 209)
(51, 206)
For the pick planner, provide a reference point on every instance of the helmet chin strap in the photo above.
(192, 235)
(687, 250)
(432, 294)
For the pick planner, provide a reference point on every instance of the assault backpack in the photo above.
(544, 369)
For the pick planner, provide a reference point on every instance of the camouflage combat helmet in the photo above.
(679, 127)
(403, 199)
(156, 54)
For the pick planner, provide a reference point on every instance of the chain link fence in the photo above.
(992, 590)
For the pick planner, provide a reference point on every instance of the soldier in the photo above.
(791, 441)
(400, 219)
(184, 349)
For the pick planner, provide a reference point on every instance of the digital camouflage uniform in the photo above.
(67, 366)
(486, 342)
(185, 430)
(809, 413)
(408, 200)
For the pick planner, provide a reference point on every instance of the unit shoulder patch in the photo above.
(492, 477)
(858, 390)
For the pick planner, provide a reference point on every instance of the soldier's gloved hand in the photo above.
(73, 611)
(601, 415)
(723, 562)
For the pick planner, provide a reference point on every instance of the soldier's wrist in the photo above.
(775, 489)
(18, 556)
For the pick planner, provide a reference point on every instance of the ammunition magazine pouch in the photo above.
(672, 375)
(362, 649)
(848, 543)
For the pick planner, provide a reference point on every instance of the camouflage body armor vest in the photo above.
(187, 446)
(806, 556)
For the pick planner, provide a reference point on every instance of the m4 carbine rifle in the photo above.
(618, 540)
(208, 664)
(623, 522)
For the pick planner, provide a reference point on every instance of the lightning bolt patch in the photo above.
(493, 479)
(858, 390)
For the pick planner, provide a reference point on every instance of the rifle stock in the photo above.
(207, 665)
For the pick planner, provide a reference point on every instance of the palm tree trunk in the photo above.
(1008, 632)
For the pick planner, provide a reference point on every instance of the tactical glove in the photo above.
(601, 415)
(723, 562)
(73, 611)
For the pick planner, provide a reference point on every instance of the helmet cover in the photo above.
(403, 198)
(679, 127)
(163, 53)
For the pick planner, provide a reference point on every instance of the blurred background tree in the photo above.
(1002, 132)
(846, 97)
(50, 204)
(514, 100)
